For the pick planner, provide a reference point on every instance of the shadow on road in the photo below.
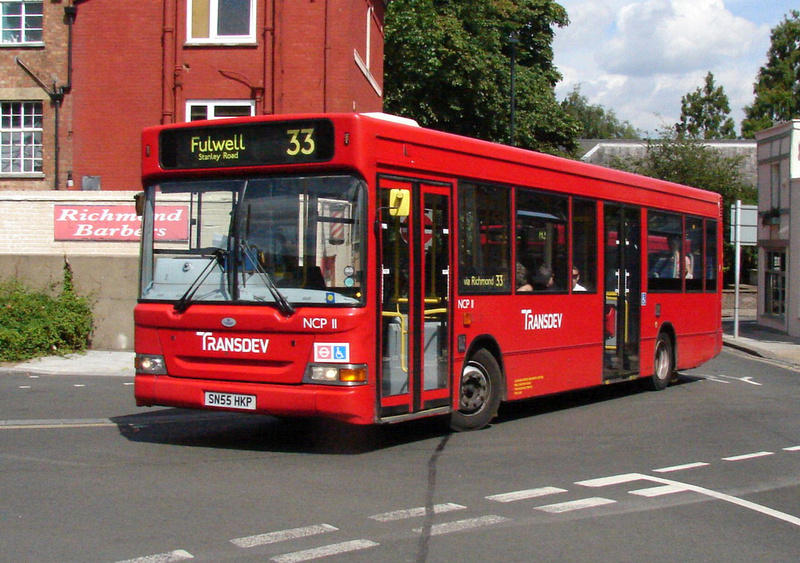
(225, 430)
(268, 434)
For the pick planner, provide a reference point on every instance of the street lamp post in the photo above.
(513, 39)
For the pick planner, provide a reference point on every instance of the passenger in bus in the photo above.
(576, 276)
(667, 265)
(544, 279)
(522, 279)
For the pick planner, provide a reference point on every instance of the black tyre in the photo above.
(480, 391)
(663, 363)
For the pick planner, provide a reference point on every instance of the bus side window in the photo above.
(693, 248)
(584, 245)
(484, 259)
(542, 239)
(711, 256)
(664, 254)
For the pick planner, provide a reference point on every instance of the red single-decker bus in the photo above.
(362, 268)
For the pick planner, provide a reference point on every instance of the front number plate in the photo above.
(229, 401)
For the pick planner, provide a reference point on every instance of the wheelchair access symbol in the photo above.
(329, 352)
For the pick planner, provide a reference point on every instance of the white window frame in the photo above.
(364, 65)
(213, 38)
(21, 146)
(210, 105)
(24, 30)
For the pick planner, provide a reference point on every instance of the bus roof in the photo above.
(400, 145)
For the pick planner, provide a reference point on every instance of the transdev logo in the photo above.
(332, 353)
(211, 343)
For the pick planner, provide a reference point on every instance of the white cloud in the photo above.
(639, 57)
(676, 36)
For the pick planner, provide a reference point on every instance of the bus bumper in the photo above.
(354, 405)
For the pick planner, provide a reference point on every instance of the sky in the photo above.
(640, 57)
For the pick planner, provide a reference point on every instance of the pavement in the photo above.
(752, 338)
(761, 341)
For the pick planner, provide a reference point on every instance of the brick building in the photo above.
(34, 93)
(167, 61)
(71, 127)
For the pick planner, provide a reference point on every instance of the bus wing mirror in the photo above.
(138, 200)
(399, 202)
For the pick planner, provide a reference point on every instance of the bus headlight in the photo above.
(150, 364)
(336, 374)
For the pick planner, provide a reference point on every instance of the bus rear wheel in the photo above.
(479, 393)
(663, 363)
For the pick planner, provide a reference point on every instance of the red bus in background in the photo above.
(361, 268)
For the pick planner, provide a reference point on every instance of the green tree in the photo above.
(777, 88)
(447, 65)
(705, 113)
(685, 159)
(688, 160)
(595, 121)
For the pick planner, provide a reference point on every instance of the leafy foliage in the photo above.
(706, 112)
(685, 159)
(777, 89)
(595, 121)
(448, 66)
(33, 323)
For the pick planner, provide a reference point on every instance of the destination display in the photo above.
(250, 144)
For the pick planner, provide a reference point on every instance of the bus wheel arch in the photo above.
(480, 387)
(664, 359)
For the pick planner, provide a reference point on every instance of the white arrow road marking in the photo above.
(630, 477)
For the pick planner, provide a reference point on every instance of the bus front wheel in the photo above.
(663, 363)
(479, 393)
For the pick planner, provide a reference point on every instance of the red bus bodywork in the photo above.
(542, 343)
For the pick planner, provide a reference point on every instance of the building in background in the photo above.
(606, 151)
(35, 86)
(778, 236)
(80, 79)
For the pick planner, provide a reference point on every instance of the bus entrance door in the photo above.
(415, 266)
(622, 291)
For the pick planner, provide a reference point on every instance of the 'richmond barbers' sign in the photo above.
(117, 223)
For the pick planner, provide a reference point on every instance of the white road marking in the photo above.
(747, 456)
(55, 423)
(613, 480)
(575, 505)
(748, 380)
(324, 551)
(468, 524)
(526, 494)
(177, 555)
(79, 385)
(416, 512)
(24, 386)
(792, 449)
(629, 477)
(680, 467)
(283, 535)
(659, 491)
(717, 379)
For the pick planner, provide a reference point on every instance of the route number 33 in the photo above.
(301, 141)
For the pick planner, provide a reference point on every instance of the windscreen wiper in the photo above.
(186, 299)
(284, 306)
